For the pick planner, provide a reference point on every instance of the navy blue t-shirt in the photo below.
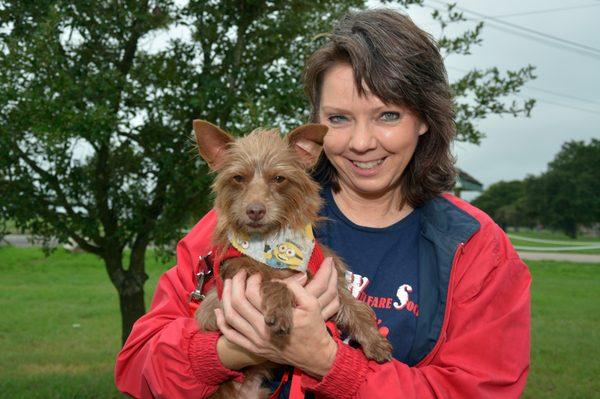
(383, 271)
(383, 268)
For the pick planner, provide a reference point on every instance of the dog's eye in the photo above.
(278, 179)
(239, 178)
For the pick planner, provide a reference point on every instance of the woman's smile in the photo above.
(369, 142)
(368, 168)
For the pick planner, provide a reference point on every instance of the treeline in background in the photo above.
(566, 197)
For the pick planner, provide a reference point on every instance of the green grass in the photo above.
(523, 243)
(565, 355)
(44, 356)
(551, 235)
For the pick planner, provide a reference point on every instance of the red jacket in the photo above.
(474, 344)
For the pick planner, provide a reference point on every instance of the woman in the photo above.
(448, 288)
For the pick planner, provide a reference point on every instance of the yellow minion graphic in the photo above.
(241, 242)
(285, 255)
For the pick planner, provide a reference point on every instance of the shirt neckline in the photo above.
(408, 220)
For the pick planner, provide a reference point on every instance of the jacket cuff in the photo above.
(205, 363)
(348, 372)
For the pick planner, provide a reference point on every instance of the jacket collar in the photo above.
(445, 224)
(444, 227)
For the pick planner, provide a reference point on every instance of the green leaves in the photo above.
(85, 100)
(482, 92)
(565, 197)
(95, 119)
(95, 124)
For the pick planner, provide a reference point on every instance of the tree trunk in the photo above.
(131, 301)
(571, 230)
(130, 286)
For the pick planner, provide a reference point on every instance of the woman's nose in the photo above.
(362, 138)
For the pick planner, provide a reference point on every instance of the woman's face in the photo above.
(369, 143)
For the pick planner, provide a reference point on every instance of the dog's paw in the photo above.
(378, 349)
(279, 321)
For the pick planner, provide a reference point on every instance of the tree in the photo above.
(567, 195)
(94, 126)
(501, 202)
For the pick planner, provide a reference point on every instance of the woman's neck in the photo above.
(371, 211)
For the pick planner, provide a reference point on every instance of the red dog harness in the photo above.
(209, 275)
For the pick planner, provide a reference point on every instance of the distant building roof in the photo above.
(466, 182)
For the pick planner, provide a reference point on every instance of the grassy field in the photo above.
(544, 247)
(60, 329)
(560, 240)
(60, 332)
(551, 235)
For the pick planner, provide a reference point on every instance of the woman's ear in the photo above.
(212, 142)
(423, 127)
(307, 142)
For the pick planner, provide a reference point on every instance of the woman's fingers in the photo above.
(304, 299)
(300, 278)
(331, 309)
(240, 302)
(324, 288)
(253, 293)
(318, 285)
(331, 291)
(329, 301)
(239, 313)
(232, 335)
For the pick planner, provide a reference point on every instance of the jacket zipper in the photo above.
(442, 336)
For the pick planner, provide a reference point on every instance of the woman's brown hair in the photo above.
(401, 64)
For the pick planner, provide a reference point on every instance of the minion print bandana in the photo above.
(285, 249)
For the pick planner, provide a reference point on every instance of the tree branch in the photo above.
(149, 222)
(56, 219)
(53, 181)
(238, 48)
(101, 184)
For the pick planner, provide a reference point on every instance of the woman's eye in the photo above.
(279, 179)
(336, 119)
(390, 116)
(239, 178)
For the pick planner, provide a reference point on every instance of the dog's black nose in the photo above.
(256, 211)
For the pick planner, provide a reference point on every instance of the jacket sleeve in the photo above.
(484, 352)
(166, 356)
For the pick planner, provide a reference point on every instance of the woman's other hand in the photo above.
(323, 286)
(242, 322)
(234, 357)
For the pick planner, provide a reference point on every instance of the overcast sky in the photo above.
(567, 86)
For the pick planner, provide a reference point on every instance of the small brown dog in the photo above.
(263, 188)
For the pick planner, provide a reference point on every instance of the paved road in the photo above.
(579, 258)
(19, 240)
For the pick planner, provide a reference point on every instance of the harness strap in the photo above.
(284, 378)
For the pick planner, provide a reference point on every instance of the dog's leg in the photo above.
(277, 306)
(205, 314)
(358, 319)
(231, 267)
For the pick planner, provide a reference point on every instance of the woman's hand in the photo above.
(324, 287)
(235, 357)
(242, 322)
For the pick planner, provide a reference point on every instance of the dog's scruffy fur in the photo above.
(268, 171)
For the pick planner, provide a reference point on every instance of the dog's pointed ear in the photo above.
(307, 141)
(212, 142)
